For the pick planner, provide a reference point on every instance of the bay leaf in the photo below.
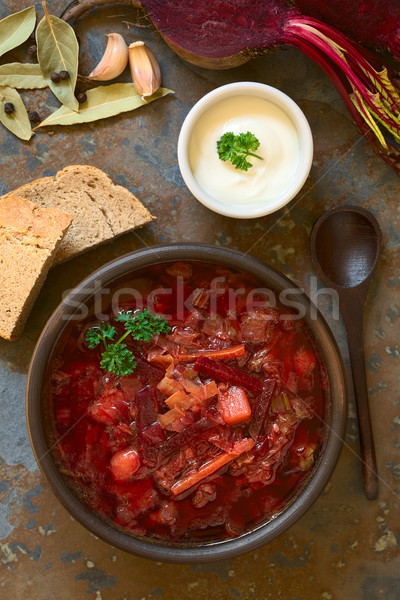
(24, 76)
(16, 28)
(57, 50)
(18, 122)
(102, 102)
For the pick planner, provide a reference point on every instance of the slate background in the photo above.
(344, 547)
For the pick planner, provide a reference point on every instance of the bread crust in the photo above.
(29, 238)
(20, 216)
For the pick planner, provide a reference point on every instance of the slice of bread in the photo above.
(29, 238)
(101, 209)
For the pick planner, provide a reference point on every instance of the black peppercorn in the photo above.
(81, 97)
(34, 116)
(32, 50)
(55, 77)
(64, 74)
(9, 108)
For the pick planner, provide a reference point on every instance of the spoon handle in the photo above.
(353, 317)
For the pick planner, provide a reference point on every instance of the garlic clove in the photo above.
(145, 69)
(114, 61)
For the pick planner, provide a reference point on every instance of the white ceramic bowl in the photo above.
(291, 184)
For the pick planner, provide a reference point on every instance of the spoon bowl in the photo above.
(346, 244)
(345, 247)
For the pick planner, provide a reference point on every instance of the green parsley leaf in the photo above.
(248, 141)
(241, 162)
(95, 335)
(225, 146)
(236, 148)
(118, 359)
(143, 325)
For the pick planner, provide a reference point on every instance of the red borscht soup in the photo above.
(218, 425)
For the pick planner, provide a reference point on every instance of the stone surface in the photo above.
(345, 546)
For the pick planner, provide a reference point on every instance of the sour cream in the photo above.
(279, 148)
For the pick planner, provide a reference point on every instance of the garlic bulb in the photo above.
(114, 61)
(145, 69)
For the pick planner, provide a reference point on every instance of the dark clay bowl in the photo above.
(335, 413)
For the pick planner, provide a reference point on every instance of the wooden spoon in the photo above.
(345, 247)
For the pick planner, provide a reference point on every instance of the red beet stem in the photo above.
(261, 409)
(342, 85)
(217, 370)
(343, 40)
(362, 77)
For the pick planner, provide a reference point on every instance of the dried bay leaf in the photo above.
(102, 102)
(57, 50)
(16, 28)
(24, 76)
(17, 122)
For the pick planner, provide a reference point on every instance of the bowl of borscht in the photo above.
(186, 403)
